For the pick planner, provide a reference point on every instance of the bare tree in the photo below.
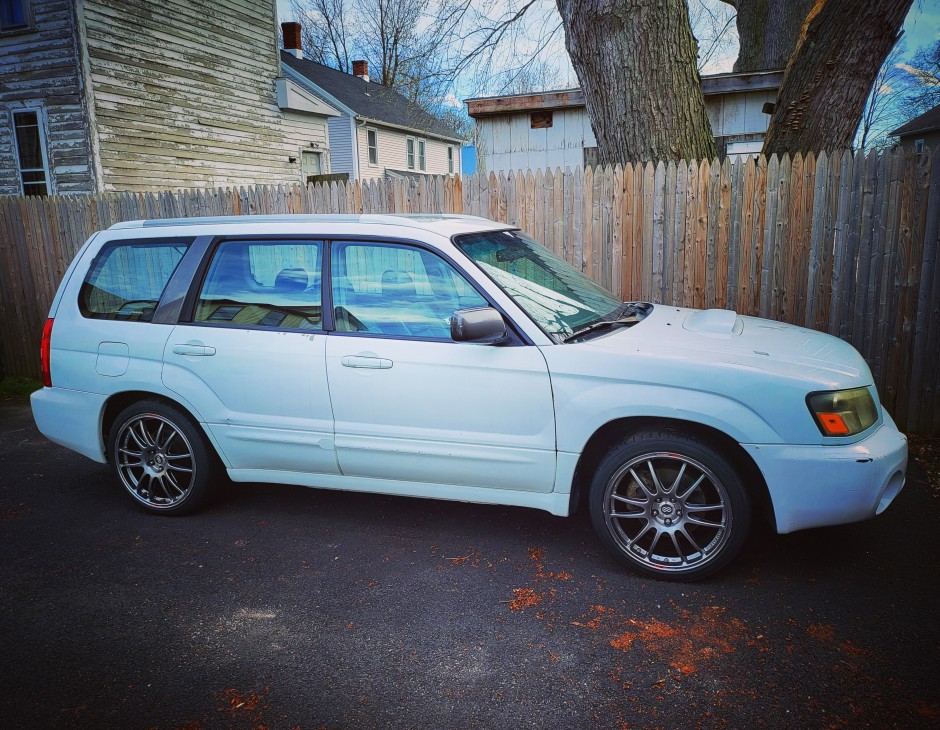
(323, 27)
(924, 79)
(830, 73)
(884, 109)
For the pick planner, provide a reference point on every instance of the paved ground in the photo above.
(284, 607)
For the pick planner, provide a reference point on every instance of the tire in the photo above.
(162, 458)
(669, 506)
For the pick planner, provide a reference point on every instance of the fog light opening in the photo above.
(894, 485)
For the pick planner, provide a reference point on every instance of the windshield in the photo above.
(557, 296)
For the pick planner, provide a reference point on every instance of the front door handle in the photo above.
(373, 363)
(197, 350)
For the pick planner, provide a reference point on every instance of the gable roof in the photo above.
(369, 100)
(926, 122)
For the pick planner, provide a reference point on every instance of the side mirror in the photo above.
(483, 325)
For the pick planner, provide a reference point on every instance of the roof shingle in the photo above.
(368, 99)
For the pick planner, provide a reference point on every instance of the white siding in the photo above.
(393, 154)
(39, 70)
(184, 94)
(508, 142)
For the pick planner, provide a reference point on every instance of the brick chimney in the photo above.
(361, 70)
(291, 33)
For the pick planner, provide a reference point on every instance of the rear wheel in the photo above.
(162, 458)
(670, 506)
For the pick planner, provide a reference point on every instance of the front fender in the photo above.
(581, 412)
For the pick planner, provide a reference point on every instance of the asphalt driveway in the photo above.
(285, 607)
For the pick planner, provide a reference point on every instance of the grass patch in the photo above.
(17, 388)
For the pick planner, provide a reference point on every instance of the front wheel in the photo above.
(670, 506)
(161, 458)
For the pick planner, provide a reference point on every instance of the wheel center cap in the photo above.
(667, 510)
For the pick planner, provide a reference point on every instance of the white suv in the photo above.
(452, 357)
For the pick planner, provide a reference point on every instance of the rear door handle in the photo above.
(373, 363)
(197, 350)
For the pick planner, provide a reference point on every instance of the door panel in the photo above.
(441, 412)
(263, 394)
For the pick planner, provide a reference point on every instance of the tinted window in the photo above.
(127, 279)
(263, 284)
(397, 290)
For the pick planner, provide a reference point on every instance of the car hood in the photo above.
(722, 337)
(766, 367)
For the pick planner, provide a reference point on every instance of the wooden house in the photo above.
(552, 129)
(378, 133)
(102, 95)
(922, 133)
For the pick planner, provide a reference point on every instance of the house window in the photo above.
(919, 146)
(31, 152)
(421, 163)
(410, 149)
(540, 120)
(14, 15)
(450, 160)
(373, 146)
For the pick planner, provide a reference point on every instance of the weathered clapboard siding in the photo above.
(184, 95)
(841, 243)
(40, 70)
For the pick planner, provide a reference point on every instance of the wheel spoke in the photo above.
(181, 469)
(169, 439)
(690, 490)
(629, 515)
(169, 479)
(675, 543)
(704, 507)
(133, 434)
(687, 536)
(704, 523)
(642, 485)
(675, 483)
(148, 441)
(659, 534)
(156, 436)
(177, 457)
(628, 500)
(656, 483)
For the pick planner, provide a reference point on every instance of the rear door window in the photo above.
(127, 279)
(266, 284)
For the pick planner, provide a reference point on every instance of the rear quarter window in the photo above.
(127, 279)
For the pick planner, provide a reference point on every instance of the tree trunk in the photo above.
(767, 32)
(635, 60)
(837, 57)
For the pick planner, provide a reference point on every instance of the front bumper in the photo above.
(71, 418)
(815, 486)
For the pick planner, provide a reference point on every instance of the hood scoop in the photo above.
(721, 323)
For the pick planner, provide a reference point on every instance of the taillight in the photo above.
(45, 350)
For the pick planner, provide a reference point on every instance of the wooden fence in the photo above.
(845, 244)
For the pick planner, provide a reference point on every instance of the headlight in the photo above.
(843, 412)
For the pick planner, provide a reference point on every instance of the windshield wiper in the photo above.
(633, 310)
